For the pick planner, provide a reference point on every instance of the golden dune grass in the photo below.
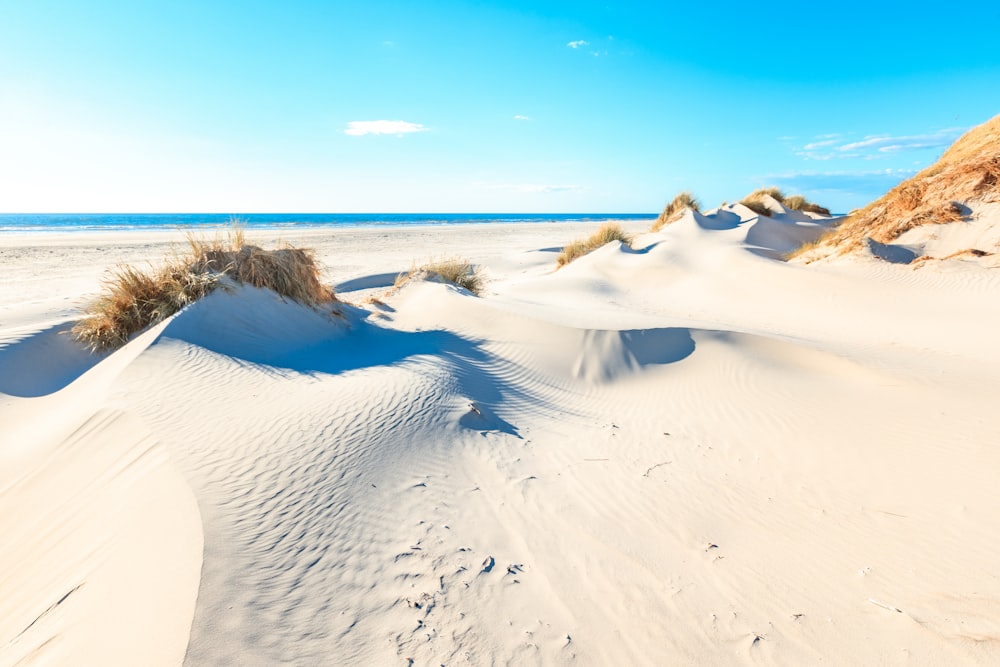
(675, 209)
(133, 299)
(800, 203)
(608, 232)
(755, 200)
(968, 171)
(454, 270)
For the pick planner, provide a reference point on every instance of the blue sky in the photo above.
(490, 106)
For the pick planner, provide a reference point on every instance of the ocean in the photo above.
(68, 222)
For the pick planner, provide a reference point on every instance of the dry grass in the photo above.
(675, 209)
(291, 272)
(452, 270)
(968, 171)
(608, 232)
(755, 200)
(772, 191)
(967, 252)
(758, 207)
(800, 203)
(133, 299)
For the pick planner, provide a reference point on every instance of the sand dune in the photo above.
(680, 452)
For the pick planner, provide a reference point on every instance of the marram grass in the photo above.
(133, 299)
(675, 209)
(608, 232)
(454, 270)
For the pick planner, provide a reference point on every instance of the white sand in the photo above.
(682, 453)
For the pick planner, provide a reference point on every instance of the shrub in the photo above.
(133, 299)
(452, 270)
(675, 209)
(608, 232)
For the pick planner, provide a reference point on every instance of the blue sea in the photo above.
(67, 222)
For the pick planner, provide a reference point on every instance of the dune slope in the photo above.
(960, 190)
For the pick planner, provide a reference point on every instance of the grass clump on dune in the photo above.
(133, 299)
(291, 272)
(608, 232)
(800, 203)
(675, 209)
(755, 200)
(452, 270)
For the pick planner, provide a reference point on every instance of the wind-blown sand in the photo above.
(686, 452)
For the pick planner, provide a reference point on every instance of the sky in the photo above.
(239, 107)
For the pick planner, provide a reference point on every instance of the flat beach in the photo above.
(684, 451)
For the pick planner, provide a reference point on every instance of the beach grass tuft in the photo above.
(800, 203)
(675, 209)
(608, 232)
(133, 299)
(755, 200)
(454, 270)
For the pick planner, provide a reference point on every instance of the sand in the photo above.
(686, 452)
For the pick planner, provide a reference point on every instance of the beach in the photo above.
(684, 451)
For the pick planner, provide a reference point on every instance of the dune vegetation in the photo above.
(454, 270)
(968, 171)
(133, 299)
(675, 209)
(755, 200)
(800, 203)
(608, 232)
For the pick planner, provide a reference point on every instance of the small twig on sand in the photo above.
(885, 606)
(653, 467)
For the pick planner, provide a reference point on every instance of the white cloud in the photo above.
(532, 188)
(873, 147)
(576, 44)
(520, 117)
(359, 128)
(868, 182)
(819, 144)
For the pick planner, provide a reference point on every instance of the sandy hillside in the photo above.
(950, 210)
(684, 452)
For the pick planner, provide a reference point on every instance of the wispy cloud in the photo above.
(578, 43)
(536, 187)
(855, 182)
(533, 188)
(887, 144)
(819, 144)
(359, 128)
(873, 147)
(520, 117)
